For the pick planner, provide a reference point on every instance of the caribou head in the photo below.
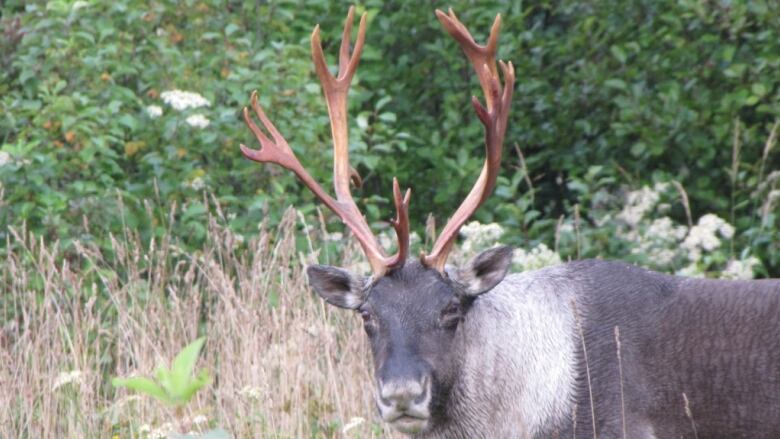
(412, 309)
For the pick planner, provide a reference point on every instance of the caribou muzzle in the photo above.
(404, 403)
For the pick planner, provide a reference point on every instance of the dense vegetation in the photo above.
(643, 130)
(610, 94)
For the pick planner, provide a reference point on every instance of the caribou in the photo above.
(584, 349)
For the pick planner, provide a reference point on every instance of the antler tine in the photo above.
(493, 116)
(279, 152)
(478, 55)
(400, 224)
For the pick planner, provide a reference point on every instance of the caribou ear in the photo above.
(338, 287)
(485, 270)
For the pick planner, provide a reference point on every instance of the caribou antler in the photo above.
(493, 116)
(278, 151)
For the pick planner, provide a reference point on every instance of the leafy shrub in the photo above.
(643, 91)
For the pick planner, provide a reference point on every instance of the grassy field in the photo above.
(284, 364)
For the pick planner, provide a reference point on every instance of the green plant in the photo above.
(175, 386)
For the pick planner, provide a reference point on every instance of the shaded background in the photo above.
(610, 94)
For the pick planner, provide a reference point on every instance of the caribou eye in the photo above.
(450, 316)
(368, 322)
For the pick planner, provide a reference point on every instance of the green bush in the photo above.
(610, 94)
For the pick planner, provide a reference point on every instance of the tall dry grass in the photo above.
(284, 364)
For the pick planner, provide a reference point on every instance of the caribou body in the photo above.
(566, 351)
(581, 350)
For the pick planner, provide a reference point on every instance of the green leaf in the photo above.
(616, 84)
(143, 385)
(618, 53)
(231, 28)
(184, 365)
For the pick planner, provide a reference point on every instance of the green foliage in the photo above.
(644, 91)
(175, 386)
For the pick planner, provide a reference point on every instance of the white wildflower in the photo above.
(664, 229)
(692, 270)
(662, 257)
(64, 378)
(714, 223)
(182, 100)
(388, 240)
(639, 203)
(704, 235)
(154, 111)
(741, 269)
(353, 422)
(198, 121)
(254, 393)
(480, 236)
(162, 432)
(200, 419)
(197, 183)
(5, 158)
(78, 4)
(659, 244)
(475, 229)
(539, 257)
(336, 236)
(145, 429)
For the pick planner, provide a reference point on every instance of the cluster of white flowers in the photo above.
(639, 203)
(78, 4)
(250, 392)
(197, 183)
(353, 422)
(161, 432)
(73, 376)
(199, 419)
(691, 270)
(198, 121)
(704, 235)
(479, 236)
(182, 100)
(539, 257)
(659, 242)
(741, 269)
(5, 158)
(154, 111)
(388, 240)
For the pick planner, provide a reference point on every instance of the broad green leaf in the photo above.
(143, 385)
(184, 364)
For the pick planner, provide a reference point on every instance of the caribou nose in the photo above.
(402, 394)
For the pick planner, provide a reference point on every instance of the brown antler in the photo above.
(278, 151)
(494, 118)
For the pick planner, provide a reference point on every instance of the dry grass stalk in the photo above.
(284, 364)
